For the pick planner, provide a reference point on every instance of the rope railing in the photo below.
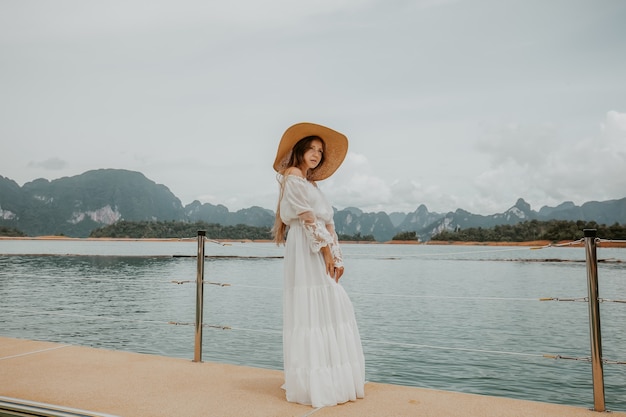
(578, 242)
(447, 253)
(599, 240)
(219, 284)
(579, 299)
(83, 316)
(584, 359)
(606, 300)
(487, 351)
(583, 299)
(278, 332)
(211, 326)
(442, 297)
(561, 245)
(206, 239)
(434, 297)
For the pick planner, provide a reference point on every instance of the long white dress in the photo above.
(323, 357)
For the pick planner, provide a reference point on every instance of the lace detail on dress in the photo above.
(317, 234)
(335, 250)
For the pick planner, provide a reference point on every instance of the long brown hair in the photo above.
(296, 159)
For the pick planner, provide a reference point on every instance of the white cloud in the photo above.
(354, 185)
(537, 164)
(614, 131)
(52, 164)
(521, 144)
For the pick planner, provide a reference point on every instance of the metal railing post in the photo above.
(197, 355)
(594, 320)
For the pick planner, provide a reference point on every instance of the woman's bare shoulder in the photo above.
(294, 171)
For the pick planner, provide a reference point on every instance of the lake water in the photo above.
(456, 318)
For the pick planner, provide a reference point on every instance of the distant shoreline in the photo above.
(538, 243)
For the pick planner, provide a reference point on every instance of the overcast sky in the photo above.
(451, 104)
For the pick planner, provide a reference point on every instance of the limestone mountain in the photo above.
(602, 212)
(351, 221)
(253, 216)
(74, 206)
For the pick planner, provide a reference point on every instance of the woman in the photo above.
(322, 353)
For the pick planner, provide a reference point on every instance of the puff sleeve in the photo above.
(295, 200)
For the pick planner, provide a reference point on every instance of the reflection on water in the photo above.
(464, 319)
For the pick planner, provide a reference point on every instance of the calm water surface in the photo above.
(464, 319)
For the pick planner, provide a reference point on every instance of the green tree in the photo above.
(409, 235)
(11, 232)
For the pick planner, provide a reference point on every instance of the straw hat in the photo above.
(336, 148)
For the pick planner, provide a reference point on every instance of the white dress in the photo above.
(323, 357)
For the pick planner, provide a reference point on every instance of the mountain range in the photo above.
(74, 206)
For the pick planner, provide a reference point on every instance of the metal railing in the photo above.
(595, 334)
(594, 312)
(197, 355)
(17, 407)
(590, 243)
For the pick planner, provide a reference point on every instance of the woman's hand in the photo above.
(331, 270)
(338, 273)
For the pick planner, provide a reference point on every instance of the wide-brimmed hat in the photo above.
(336, 148)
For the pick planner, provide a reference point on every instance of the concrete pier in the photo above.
(138, 385)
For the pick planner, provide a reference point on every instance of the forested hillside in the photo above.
(553, 230)
(180, 230)
(174, 229)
